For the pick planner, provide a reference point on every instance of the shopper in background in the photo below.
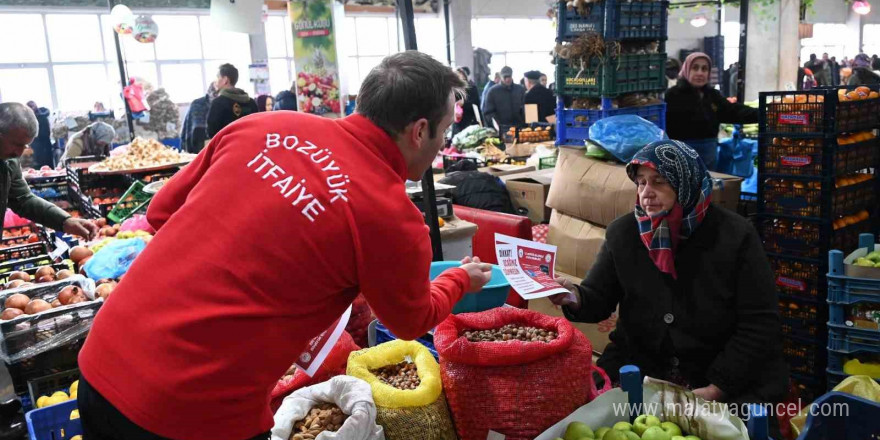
(246, 300)
(544, 80)
(822, 72)
(862, 73)
(538, 94)
(42, 144)
(285, 100)
(696, 294)
(195, 123)
(673, 66)
(484, 96)
(231, 104)
(695, 110)
(18, 128)
(94, 140)
(471, 101)
(265, 103)
(835, 71)
(505, 103)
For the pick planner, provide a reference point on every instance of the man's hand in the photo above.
(480, 273)
(83, 228)
(710, 393)
(570, 299)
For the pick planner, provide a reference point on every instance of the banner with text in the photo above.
(314, 57)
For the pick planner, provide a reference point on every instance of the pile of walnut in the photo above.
(403, 376)
(323, 417)
(143, 153)
(510, 332)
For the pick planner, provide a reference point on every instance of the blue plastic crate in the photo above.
(573, 126)
(844, 339)
(836, 359)
(856, 418)
(844, 289)
(378, 334)
(615, 20)
(53, 422)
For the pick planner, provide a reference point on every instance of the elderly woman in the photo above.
(695, 110)
(94, 140)
(695, 291)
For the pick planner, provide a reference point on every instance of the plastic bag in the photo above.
(515, 388)
(859, 386)
(113, 260)
(137, 222)
(353, 396)
(405, 414)
(334, 365)
(624, 135)
(596, 151)
(361, 317)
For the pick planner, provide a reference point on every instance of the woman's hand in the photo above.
(710, 393)
(570, 299)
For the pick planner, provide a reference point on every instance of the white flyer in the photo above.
(530, 267)
(319, 347)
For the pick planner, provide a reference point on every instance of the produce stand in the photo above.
(96, 169)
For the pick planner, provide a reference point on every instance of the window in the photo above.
(183, 82)
(74, 37)
(27, 31)
(78, 85)
(279, 46)
(364, 42)
(871, 39)
(178, 37)
(827, 37)
(519, 43)
(730, 31)
(23, 85)
(431, 36)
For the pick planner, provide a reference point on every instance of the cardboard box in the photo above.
(577, 242)
(529, 191)
(599, 192)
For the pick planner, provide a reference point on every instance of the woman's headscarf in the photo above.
(682, 167)
(689, 61)
(103, 132)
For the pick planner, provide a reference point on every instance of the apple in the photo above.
(615, 434)
(671, 428)
(874, 256)
(864, 262)
(600, 433)
(577, 431)
(643, 422)
(691, 437)
(656, 433)
(631, 435)
(678, 437)
(622, 426)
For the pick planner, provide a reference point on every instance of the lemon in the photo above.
(73, 396)
(61, 394)
(77, 437)
(74, 414)
(74, 387)
(56, 400)
(42, 401)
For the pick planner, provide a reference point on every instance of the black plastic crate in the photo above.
(809, 239)
(803, 319)
(799, 277)
(615, 20)
(846, 339)
(56, 360)
(24, 264)
(612, 76)
(817, 157)
(47, 385)
(818, 112)
(805, 357)
(816, 199)
(837, 359)
(23, 251)
(4, 277)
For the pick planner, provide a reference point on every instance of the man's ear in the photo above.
(420, 132)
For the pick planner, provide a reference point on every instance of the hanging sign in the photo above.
(314, 57)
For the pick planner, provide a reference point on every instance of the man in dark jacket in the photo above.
(505, 103)
(231, 104)
(195, 123)
(285, 100)
(18, 128)
(540, 95)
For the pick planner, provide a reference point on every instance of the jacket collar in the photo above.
(372, 136)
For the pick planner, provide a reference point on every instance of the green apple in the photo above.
(614, 434)
(864, 262)
(631, 435)
(577, 431)
(678, 437)
(600, 433)
(671, 428)
(874, 256)
(643, 422)
(877, 265)
(656, 433)
(622, 426)
(691, 437)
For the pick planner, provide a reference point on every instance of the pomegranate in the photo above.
(63, 274)
(45, 271)
(67, 293)
(17, 301)
(14, 284)
(80, 253)
(11, 313)
(104, 290)
(56, 303)
(37, 306)
(19, 275)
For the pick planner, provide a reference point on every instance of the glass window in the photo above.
(365, 65)
(489, 33)
(351, 79)
(27, 32)
(372, 35)
(827, 37)
(219, 44)
(431, 36)
(348, 37)
(183, 82)
(77, 85)
(276, 46)
(279, 75)
(871, 39)
(23, 85)
(178, 37)
(74, 37)
(144, 71)
(132, 50)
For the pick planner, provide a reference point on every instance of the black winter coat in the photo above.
(544, 98)
(42, 144)
(717, 323)
(228, 107)
(689, 116)
(505, 105)
(479, 190)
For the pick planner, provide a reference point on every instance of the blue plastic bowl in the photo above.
(494, 293)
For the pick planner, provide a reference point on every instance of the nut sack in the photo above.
(405, 379)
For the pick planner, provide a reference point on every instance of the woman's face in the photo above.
(655, 193)
(269, 104)
(699, 74)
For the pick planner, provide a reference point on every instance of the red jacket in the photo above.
(263, 241)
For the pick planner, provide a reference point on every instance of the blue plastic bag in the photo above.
(113, 260)
(624, 135)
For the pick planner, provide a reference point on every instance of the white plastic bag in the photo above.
(352, 395)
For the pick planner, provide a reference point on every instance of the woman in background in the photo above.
(265, 103)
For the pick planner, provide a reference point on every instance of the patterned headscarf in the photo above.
(685, 71)
(682, 167)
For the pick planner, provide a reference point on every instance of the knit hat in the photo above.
(103, 132)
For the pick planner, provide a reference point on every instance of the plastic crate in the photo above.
(815, 199)
(614, 76)
(615, 20)
(24, 264)
(45, 386)
(846, 290)
(816, 112)
(53, 422)
(837, 359)
(799, 278)
(21, 231)
(544, 132)
(857, 422)
(845, 339)
(547, 162)
(4, 277)
(573, 126)
(808, 239)
(134, 200)
(56, 360)
(23, 251)
(803, 318)
(807, 157)
(804, 356)
(378, 334)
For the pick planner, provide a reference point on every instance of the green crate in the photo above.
(624, 74)
(547, 162)
(134, 200)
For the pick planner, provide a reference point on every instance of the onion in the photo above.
(45, 271)
(67, 293)
(79, 253)
(10, 313)
(37, 306)
(63, 274)
(19, 275)
(17, 301)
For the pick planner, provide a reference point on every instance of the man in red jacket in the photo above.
(263, 241)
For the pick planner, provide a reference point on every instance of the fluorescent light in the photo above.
(861, 7)
(699, 21)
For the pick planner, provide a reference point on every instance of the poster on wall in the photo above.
(314, 56)
(386, 6)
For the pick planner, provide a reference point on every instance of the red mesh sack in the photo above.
(515, 388)
(334, 365)
(361, 317)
